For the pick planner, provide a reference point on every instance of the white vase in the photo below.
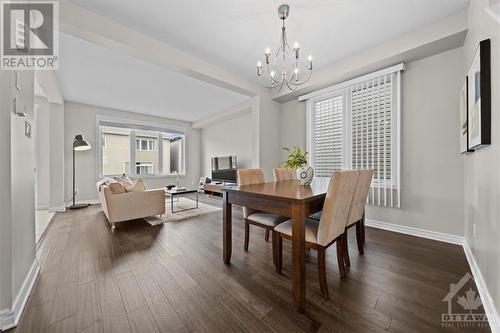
(305, 175)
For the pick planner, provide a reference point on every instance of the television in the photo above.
(224, 169)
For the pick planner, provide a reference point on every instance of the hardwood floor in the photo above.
(171, 278)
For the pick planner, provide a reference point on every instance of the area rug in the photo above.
(183, 203)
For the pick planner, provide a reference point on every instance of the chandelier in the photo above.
(284, 68)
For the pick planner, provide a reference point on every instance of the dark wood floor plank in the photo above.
(132, 296)
(164, 314)
(141, 321)
(65, 302)
(113, 315)
(88, 308)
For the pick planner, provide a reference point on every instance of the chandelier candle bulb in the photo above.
(259, 67)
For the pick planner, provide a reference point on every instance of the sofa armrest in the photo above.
(135, 205)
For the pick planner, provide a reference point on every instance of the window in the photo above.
(145, 144)
(115, 149)
(156, 151)
(144, 168)
(355, 125)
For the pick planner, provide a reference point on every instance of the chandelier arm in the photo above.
(278, 87)
(292, 88)
(267, 86)
(307, 66)
(302, 82)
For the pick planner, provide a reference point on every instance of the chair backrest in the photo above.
(250, 177)
(359, 200)
(282, 174)
(336, 206)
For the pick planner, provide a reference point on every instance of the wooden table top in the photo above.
(285, 190)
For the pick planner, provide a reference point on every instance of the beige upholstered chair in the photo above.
(282, 174)
(331, 227)
(254, 217)
(357, 212)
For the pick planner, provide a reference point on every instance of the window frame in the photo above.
(344, 89)
(134, 125)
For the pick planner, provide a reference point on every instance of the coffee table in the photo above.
(174, 193)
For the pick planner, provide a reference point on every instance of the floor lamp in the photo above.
(79, 144)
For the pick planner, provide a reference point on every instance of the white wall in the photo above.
(269, 135)
(432, 190)
(42, 152)
(23, 185)
(293, 125)
(57, 162)
(482, 168)
(431, 193)
(230, 137)
(17, 207)
(81, 119)
(5, 192)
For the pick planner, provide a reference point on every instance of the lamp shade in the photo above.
(80, 144)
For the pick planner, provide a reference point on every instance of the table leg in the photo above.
(298, 256)
(226, 228)
(172, 203)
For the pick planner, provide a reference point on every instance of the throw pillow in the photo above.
(138, 186)
(115, 187)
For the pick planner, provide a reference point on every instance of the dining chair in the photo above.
(254, 217)
(330, 229)
(282, 174)
(357, 211)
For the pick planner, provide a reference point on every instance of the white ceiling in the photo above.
(95, 75)
(234, 33)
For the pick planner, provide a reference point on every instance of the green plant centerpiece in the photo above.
(297, 160)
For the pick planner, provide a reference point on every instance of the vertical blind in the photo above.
(328, 136)
(357, 127)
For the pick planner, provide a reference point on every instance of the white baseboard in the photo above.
(57, 209)
(488, 304)
(439, 236)
(10, 318)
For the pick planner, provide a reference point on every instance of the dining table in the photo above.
(285, 198)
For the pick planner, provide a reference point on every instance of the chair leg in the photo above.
(340, 257)
(359, 237)
(363, 228)
(267, 235)
(279, 253)
(323, 285)
(274, 241)
(347, 260)
(247, 234)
